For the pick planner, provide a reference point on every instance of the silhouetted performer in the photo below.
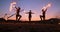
(43, 14)
(30, 15)
(17, 13)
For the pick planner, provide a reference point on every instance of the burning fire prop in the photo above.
(12, 5)
(47, 6)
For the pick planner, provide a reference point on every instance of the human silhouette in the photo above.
(18, 17)
(43, 14)
(30, 15)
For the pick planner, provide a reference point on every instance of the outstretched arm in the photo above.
(45, 9)
(32, 13)
(27, 12)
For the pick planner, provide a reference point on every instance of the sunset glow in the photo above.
(52, 6)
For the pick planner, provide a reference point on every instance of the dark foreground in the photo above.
(29, 27)
(51, 25)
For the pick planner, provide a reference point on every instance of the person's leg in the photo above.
(19, 17)
(41, 17)
(44, 17)
(29, 19)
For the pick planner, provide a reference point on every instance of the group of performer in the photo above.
(18, 16)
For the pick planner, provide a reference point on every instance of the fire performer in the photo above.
(44, 11)
(18, 17)
(43, 14)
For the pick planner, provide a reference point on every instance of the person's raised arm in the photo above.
(15, 7)
(45, 9)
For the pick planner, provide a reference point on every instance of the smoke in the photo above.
(12, 5)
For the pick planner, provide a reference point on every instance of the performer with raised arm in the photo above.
(43, 14)
(44, 11)
(30, 15)
(18, 16)
(17, 13)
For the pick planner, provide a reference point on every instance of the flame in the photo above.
(47, 6)
(44, 8)
(12, 5)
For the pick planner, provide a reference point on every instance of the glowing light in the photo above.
(47, 6)
(18, 17)
(12, 5)
(44, 8)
